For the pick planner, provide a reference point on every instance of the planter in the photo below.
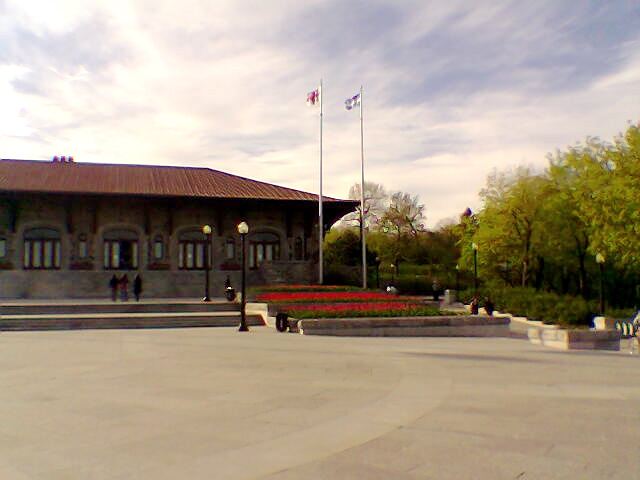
(579, 339)
(158, 266)
(81, 266)
(230, 293)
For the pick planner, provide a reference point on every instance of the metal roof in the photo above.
(94, 178)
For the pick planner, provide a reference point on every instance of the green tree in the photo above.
(510, 224)
(607, 181)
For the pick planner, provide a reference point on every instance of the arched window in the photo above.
(192, 246)
(158, 248)
(42, 249)
(263, 246)
(121, 250)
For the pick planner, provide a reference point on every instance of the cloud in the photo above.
(450, 91)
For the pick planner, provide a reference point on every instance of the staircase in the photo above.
(87, 314)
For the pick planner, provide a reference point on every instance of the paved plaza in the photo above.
(214, 403)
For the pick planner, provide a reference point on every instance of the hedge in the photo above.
(564, 310)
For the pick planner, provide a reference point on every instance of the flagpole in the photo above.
(362, 215)
(320, 218)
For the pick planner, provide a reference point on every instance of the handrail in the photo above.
(629, 327)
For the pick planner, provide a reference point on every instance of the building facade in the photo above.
(66, 228)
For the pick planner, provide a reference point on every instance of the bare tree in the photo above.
(375, 202)
(405, 215)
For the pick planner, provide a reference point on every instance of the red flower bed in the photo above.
(302, 288)
(326, 297)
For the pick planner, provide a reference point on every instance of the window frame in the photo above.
(112, 251)
(194, 248)
(42, 249)
(263, 246)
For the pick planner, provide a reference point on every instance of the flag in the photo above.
(313, 98)
(352, 102)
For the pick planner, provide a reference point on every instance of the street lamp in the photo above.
(243, 229)
(600, 262)
(474, 246)
(207, 233)
(457, 277)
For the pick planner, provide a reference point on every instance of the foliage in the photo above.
(344, 310)
(543, 230)
(564, 310)
(343, 246)
(606, 180)
(511, 222)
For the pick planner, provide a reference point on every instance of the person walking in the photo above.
(474, 306)
(124, 288)
(113, 285)
(436, 291)
(137, 287)
(488, 306)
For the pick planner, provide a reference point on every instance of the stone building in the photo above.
(67, 227)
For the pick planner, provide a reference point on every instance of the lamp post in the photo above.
(243, 229)
(600, 262)
(377, 272)
(474, 246)
(457, 277)
(206, 229)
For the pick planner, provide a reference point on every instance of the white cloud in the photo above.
(451, 92)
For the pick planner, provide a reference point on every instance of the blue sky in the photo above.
(452, 90)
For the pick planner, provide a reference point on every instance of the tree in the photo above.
(403, 220)
(404, 215)
(342, 247)
(375, 202)
(510, 224)
(607, 181)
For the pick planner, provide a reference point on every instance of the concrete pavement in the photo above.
(215, 403)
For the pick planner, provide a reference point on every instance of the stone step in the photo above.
(132, 320)
(116, 307)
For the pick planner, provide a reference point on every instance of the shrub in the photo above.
(354, 310)
(564, 310)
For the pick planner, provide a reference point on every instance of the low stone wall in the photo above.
(574, 339)
(564, 339)
(439, 326)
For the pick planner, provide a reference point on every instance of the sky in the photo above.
(452, 90)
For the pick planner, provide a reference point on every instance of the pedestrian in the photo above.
(474, 306)
(488, 306)
(436, 291)
(137, 287)
(113, 284)
(124, 288)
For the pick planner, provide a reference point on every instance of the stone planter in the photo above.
(578, 339)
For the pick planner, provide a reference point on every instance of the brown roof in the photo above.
(94, 178)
